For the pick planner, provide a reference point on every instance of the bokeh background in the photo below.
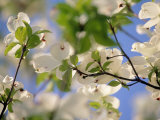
(41, 13)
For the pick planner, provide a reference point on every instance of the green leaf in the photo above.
(18, 53)
(95, 105)
(4, 98)
(7, 91)
(151, 73)
(42, 31)
(114, 83)
(28, 27)
(95, 55)
(65, 84)
(88, 65)
(125, 86)
(33, 42)
(10, 107)
(93, 70)
(13, 93)
(26, 53)
(103, 39)
(41, 77)
(137, 1)
(21, 34)
(158, 74)
(16, 100)
(9, 47)
(74, 60)
(83, 45)
(106, 64)
(64, 66)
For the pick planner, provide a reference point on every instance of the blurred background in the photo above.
(42, 14)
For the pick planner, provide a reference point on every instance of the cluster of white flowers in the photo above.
(15, 22)
(105, 7)
(94, 88)
(94, 71)
(19, 93)
(147, 65)
(71, 107)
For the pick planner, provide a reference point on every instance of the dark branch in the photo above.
(10, 93)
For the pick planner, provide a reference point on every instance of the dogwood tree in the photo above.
(88, 64)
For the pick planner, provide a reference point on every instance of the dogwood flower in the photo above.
(109, 7)
(47, 62)
(49, 102)
(15, 22)
(141, 30)
(96, 92)
(12, 24)
(115, 67)
(150, 10)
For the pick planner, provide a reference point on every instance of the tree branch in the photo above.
(12, 87)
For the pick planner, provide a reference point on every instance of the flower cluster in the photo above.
(92, 77)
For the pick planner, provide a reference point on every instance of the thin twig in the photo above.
(132, 83)
(10, 93)
(112, 28)
(138, 78)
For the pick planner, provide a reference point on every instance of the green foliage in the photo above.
(94, 29)
(41, 77)
(89, 64)
(10, 107)
(106, 64)
(25, 37)
(42, 31)
(120, 19)
(95, 105)
(36, 117)
(33, 41)
(154, 70)
(95, 69)
(21, 34)
(64, 66)
(124, 85)
(74, 60)
(65, 84)
(95, 55)
(110, 107)
(137, 1)
(114, 83)
(29, 29)
(18, 53)
(9, 47)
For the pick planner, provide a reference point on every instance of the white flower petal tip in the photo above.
(61, 50)
(15, 22)
(44, 63)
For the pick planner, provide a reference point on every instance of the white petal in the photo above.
(13, 22)
(24, 16)
(9, 38)
(108, 90)
(152, 22)
(60, 51)
(149, 10)
(13, 51)
(113, 100)
(44, 63)
(48, 101)
(75, 102)
(138, 60)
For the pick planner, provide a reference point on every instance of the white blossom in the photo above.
(150, 10)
